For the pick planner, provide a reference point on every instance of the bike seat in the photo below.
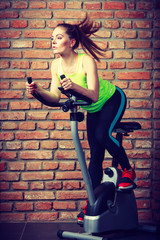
(126, 127)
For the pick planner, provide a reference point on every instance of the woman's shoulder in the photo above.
(87, 59)
(55, 61)
(54, 64)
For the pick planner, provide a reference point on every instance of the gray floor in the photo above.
(48, 231)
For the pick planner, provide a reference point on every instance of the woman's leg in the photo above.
(97, 151)
(99, 129)
(111, 114)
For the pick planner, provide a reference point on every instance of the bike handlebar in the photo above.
(69, 104)
(41, 99)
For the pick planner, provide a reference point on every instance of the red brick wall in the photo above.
(40, 176)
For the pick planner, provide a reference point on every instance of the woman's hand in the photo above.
(67, 83)
(31, 87)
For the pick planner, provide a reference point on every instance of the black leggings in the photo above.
(99, 130)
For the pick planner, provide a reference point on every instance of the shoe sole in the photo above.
(80, 222)
(129, 187)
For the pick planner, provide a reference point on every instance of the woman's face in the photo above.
(61, 43)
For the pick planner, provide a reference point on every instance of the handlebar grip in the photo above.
(61, 88)
(29, 79)
(41, 99)
(69, 92)
(62, 76)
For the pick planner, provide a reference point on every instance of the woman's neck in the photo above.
(69, 62)
(69, 58)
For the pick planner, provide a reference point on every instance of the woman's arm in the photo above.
(54, 94)
(90, 69)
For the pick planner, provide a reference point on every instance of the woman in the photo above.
(109, 101)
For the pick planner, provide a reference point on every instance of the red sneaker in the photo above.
(128, 180)
(80, 216)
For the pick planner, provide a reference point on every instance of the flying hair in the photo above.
(81, 33)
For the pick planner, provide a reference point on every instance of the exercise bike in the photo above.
(108, 208)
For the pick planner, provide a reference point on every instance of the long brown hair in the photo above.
(81, 33)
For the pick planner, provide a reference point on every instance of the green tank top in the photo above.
(106, 89)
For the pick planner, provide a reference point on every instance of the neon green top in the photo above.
(106, 89)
